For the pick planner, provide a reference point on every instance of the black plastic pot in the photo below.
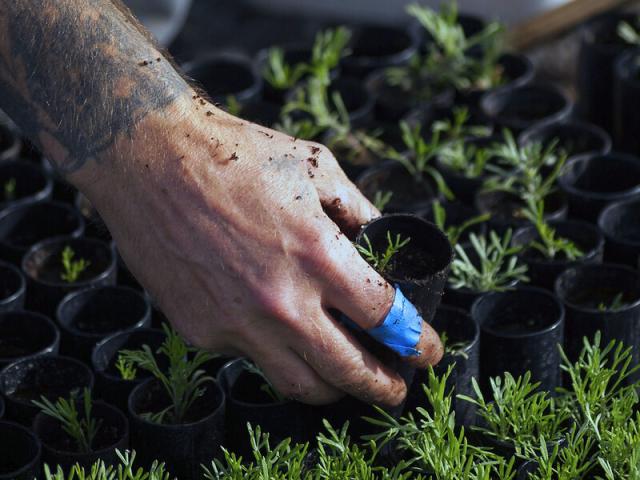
(591, 182)
(59, 449)
(373, 47)
(52, 376)
(573, 137)
(21, 450)
(620, 223)
(31, 183)
(13, 288)
(520, 331)
(505, 209)
(518, 108)
(626, 94)
(1, 407)
(357, 100)
(225, 74)
(110, 386)
(600, 46)
(42, 266)
(248, 403)
(10, 143)
(542, 272)
(420, 269)
(26, 334)
(261, 112)
(517, 70)
(408, 194)
(460, 329)
(88, 316)
(466, 188)
(584, 289)
(22, 226)
(392, 103)
(186, 447)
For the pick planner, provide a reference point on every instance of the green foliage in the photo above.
(495, 270)
(615, 305)
(279, 74)
(434, 444)
(72, 269)
(266, 386)
(184, 382)
(380, 261)
(126, 368)
(519, 170)
(81, 427)
(454, 232)
(518, 413)
(455, 349)
(233, 105)
(448, 61)
(382, 199)
(465, 158)
(100, 471)
(10, 189)
(628, 33)
(548, 243)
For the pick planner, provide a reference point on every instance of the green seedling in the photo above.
(382, 199)
(267, 387)
(615, 305)
(72, 269)
(184, 381)
(82, 427)
(10, 189)
(125, 470)
(518, 412)
(496, 269)
(455, 349)
(454, 232)
(548, 243)
(628, 33)
(381, 261)
(126, 368)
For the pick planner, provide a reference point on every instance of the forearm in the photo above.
(79, 77)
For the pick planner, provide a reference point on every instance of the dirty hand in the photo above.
(222, 221)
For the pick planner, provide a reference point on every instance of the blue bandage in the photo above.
(401, 328)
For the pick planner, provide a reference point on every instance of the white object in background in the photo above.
(393, 11)
(164, 18)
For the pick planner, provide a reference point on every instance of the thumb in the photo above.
(340, 198)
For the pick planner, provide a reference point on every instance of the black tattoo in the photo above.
(75, 74)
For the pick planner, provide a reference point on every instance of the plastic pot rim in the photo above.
(36, 442)
(607, 210)
(21, 288)
(68, 326)
(47, 321)
(537, 290)
(613, 266)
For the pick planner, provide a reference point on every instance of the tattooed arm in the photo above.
(221, 220)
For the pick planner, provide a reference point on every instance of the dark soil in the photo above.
(248, 388)
(155, 400)
(593, 298)
(107, 436)
(513, 320)
(410, 264)
(14, 346)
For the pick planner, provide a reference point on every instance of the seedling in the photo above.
(81, 427)
(126, 368)
(465, 158)
(184, 381)
(519, 170)
(233, 106)
(496, 269)
(10, 189)
(629, 33)
(125, 470)
(517, 412)
(454, 232)
(448, 61)
(455, 349)
(72, 269)
(382, 199)
(267, 387)
(281, 75)
(615, 305)
(548, 243)
(381, 262)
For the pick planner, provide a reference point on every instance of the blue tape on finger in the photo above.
(401, 328)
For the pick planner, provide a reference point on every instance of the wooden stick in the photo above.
(553, 22)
